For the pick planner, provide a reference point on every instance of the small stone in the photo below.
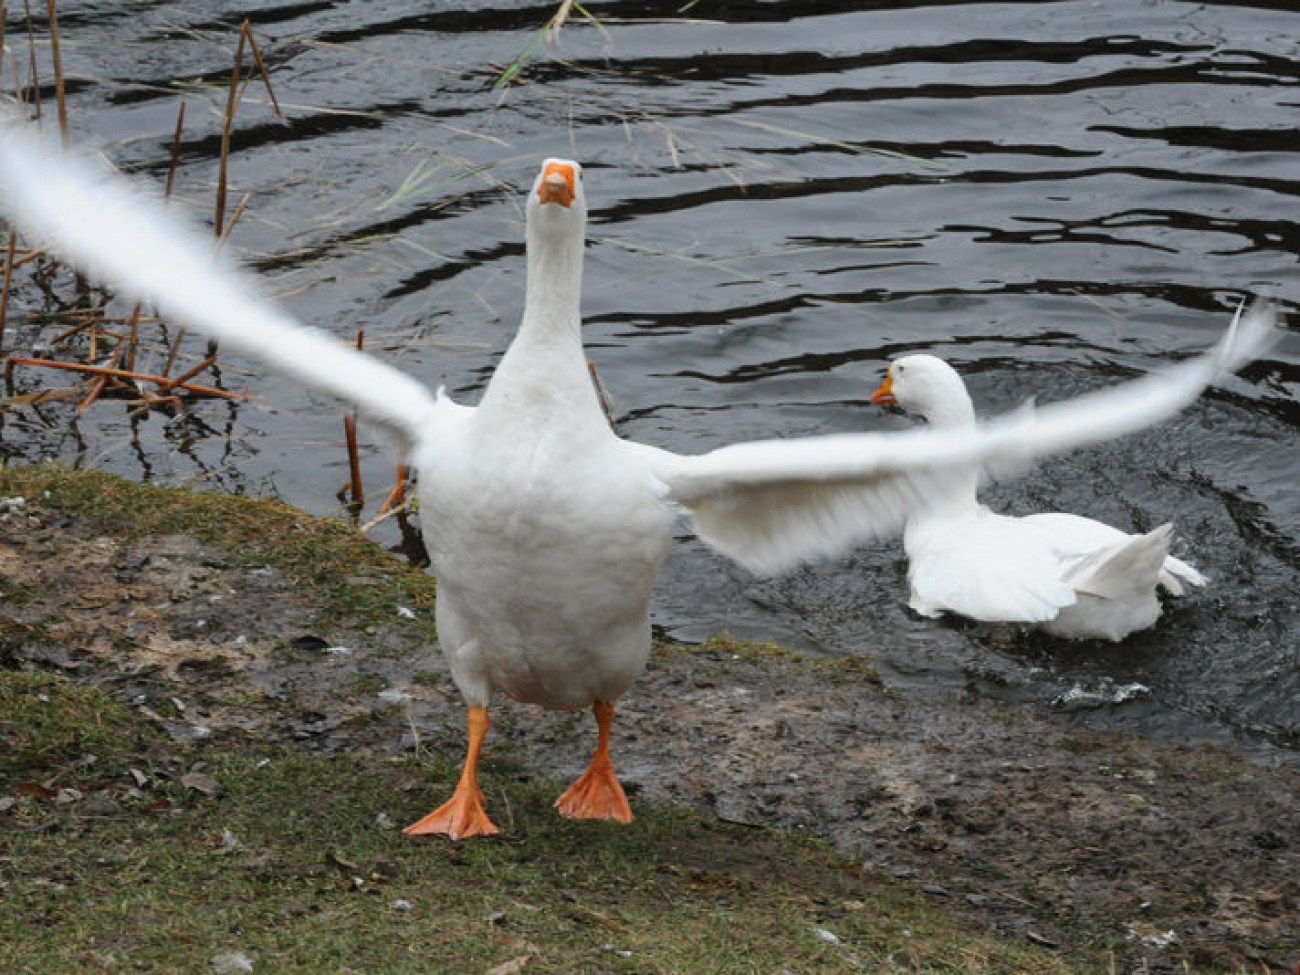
(202, 782)
(232, 963)
(401, 904)
(100, 806)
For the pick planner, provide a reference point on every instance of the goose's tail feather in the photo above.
(1119, 571)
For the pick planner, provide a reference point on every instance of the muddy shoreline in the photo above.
(1013, 815)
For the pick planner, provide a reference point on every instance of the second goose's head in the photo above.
(927, 385)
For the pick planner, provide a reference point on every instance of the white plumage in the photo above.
(1070, 576)
(546, 530)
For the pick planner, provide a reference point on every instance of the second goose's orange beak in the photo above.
(884, 396)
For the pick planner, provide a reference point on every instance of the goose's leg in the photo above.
(462, 815)
(597, 793)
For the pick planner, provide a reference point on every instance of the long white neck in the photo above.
(544, 372)
(951, 411)
(554, 288)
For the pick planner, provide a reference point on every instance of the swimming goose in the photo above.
(545, 528)
(1070, 576)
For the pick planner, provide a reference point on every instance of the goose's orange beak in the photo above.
(884, 396)
(557, 185)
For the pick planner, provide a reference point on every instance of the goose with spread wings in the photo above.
(546, 529)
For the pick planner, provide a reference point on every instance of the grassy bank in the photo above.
(121, 850)
(122, 847)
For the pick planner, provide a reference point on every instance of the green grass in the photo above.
(318, 879)
(109, 859)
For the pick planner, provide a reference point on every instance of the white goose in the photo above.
(546, 530)
(1068, 575)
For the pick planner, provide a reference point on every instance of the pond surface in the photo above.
(1054, 196)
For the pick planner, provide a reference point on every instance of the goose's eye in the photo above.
(898, 370)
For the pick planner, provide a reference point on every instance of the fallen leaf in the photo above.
(34, 790)
(337, 861)
(202, 782)
(511, 967)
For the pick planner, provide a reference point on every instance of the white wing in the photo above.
(773, 504)
(126, 237)
(988, 567)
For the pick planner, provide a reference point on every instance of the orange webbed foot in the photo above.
(597, 794)
(463, 815)
(460, 817)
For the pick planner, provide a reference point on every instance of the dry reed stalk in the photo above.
(77, 329)
(30, 256)
(36, 399)
(176, 152)
(186, 376)
(171, 353)
(232, 102)
(397, 496)
(354, 488)
(601, 394)
(233, 98)
(89, 314)
(31, 62)
(113, 371)
(59, 98)
(149, 401)
(261, 68)
(133, 340)
(234, 219)
(10, 251)
(98, 385)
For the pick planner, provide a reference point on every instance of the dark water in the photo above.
(784, 195)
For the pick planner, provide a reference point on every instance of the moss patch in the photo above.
(327, 556)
